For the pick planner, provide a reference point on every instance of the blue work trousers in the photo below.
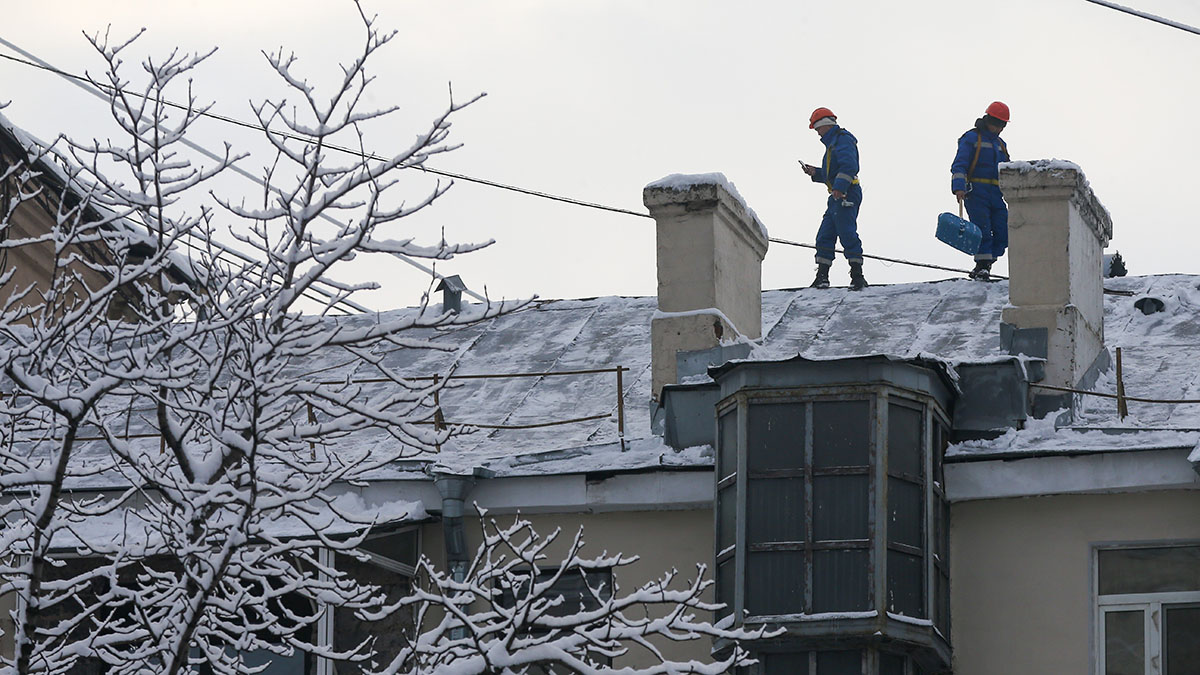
(986, 208)
(840, 223)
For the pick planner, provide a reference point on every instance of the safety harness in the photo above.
(975, 159)
(825, 165)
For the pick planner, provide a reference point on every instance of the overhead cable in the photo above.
(457, 176)
(87, 85)
(1145, 15)
(891, 260)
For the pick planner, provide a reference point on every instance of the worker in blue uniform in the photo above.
(839, 173)
(975, 181)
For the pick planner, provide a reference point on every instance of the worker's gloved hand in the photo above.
(961, 194)
(838, 194)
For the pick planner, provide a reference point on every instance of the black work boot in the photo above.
(822, 280)
(982, 271)
(857, 280)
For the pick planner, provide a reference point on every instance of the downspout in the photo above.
(454, 490)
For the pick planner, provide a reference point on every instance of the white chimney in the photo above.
(1057, 234)
(710, 252)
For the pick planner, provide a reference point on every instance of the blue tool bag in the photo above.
(961, 234)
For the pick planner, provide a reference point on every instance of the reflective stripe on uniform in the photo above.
(840, 175)
(956, 176)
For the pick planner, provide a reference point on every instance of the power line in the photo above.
(332, 146)
(84, 84)
(891, 260)
(87, 85)
(457, 176)
(1145, 15)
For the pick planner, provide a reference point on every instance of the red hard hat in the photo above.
(818, 114)
(998, 110)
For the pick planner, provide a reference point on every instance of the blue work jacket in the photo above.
(839, 169)
(992, 151)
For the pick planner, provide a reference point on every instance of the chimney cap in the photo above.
(451, 283)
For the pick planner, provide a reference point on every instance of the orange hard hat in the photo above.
(997, 110)
(819, 113)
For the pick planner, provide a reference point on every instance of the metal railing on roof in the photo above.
(1122, 398)
(439, 420)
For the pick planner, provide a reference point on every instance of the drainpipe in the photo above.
(454, 490)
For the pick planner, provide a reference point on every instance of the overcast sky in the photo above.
(595, 99)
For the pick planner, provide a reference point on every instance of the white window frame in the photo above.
(327, 557)
(1150, 604)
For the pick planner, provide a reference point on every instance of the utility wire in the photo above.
(891, 260)
(457, 176)
(87, 85)
(332, 146)
(1144, 15)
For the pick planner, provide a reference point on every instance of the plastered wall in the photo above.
(1021, 574)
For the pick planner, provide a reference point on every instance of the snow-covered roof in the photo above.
(947, 318)
(955, 321)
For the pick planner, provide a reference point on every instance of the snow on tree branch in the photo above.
(140, 359)
(178, 495)
(508, 613)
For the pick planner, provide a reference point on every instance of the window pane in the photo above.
(391, 633)
(1149, 570)
(774, 510)
(727, 517)
(891, 664)
(941, 599)
(401, 547)
(839, 663)
(905, 441)
(840, 507)
(580, 590)
(725, 584)
(775, 582)
(840, 581)
(727, 440)
(941, 539)
(1124, 643)
(776, 436)
(785, 664)
(841, 433)
(1181, 640)
(940, 440)
(905, 513)
(906, 584)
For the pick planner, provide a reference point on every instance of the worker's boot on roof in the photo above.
(982, 271)
(857, 280)
(822, 280)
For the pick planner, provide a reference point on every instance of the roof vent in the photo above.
(452, 288)
(1149, 305)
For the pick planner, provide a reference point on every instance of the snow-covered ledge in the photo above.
(710, 251)
(1057, 234)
